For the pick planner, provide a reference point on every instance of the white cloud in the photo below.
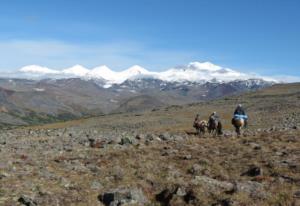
(59, 55)
(38, 70)
(286, 78)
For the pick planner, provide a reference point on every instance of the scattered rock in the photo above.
(254, 146)
(187, 157)
(2, 142)
(164, 197)
(3, 175)
(68, 148)
(150, 137)
(95, 185)
(140, 137)
(25, 200)
(224, 202)
(253, 189)
(165, 136)
(176, 196)
(296, 194)
(178, 138)
(96, 143)
(252, 171)
(190, 197)
(213, 185)
(196, 169)
(123, 196)
(126, 141)
(180, 191)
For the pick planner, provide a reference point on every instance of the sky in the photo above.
(260, 36)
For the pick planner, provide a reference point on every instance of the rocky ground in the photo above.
(153, 158)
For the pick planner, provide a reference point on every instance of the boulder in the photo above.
(123, 196)
(165, 136)
(253, 189)
(176, 196)
(213, 185)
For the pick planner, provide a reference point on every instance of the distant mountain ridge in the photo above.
(193, 72)
(25, 101)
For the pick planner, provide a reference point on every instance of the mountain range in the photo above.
(41, 94)
(193, 72)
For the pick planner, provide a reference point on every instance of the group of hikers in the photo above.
(214, 125)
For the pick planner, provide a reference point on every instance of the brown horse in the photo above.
(200, 126)
(214, 127)
(238, 123)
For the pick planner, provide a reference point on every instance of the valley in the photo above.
(29, 102)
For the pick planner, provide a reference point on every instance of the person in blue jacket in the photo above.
(241, 112)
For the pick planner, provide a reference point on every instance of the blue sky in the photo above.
(261, 36)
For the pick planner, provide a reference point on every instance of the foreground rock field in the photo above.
(153, 158)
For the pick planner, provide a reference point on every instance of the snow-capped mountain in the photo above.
(42, 93)
(192, 72)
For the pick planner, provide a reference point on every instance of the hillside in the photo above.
(140, 103)
(28, 102)
(152, 157)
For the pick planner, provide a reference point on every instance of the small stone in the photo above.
(296, 194)
(224, 202)
(196, 169)
(165, 136)
(125, 141)
(123, 196)
(140, 137)
(187, 157)
(150, 137)
(255, 146)
(178, 138)
(252, 171)
(95, 185)
(180, 191)
(68, 148)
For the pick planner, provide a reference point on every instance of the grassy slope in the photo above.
(265, 108)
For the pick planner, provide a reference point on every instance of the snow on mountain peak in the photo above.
(205, 66)
(194, 71)
(102, 68)
(102, 72)
(136, 69)
(76, 70)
